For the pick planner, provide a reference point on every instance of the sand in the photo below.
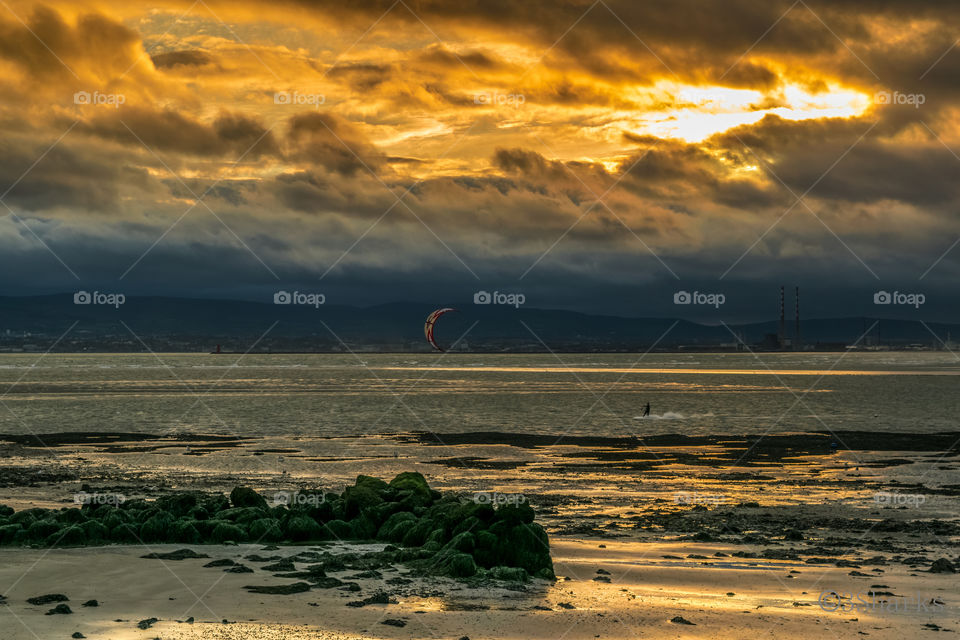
(645, 592)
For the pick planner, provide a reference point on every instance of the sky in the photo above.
(600, 156)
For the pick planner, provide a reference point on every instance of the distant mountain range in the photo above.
(187, 324)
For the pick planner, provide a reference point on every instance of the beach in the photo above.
(722, 598)
(799, 532)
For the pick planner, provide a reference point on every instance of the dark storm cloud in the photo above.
(444, 57)
(685, 33)
(921, 172)
(500, 202)
(185, 58)
(47, 47)
(331, 142)
(168, 130)
(69, 175)
(361, 76)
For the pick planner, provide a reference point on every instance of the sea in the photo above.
(310, 395)
(565, 431)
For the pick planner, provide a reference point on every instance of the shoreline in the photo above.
(677, 522)
(650, 586)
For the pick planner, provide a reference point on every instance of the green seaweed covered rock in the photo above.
(301, 529)
(265, 530)
(156, 528)
(415, 485)
(436, 534)
(227, 532)
(247, 497)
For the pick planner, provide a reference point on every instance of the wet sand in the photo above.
(724, 597)
(677, 524)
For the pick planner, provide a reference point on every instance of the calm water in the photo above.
(584, 394)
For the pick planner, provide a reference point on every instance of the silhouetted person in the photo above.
(646, 410)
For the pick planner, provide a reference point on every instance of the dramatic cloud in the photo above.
(594, 153)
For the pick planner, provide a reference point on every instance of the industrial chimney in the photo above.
(781, 330)
(796, 327)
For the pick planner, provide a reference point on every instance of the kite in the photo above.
(429, 324)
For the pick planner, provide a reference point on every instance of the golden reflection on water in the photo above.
(744, 372)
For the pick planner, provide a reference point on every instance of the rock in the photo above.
(241, 515)
(417, 534)
(77, 634)
(942, 565)
(256, 557)
(179, 554)
(396, 526)
(412, 481)
(247, 497)
(516, 513)
(281, 565)
(565, 605)
(338, 529)
(95, 531)
(363, 527)
(156, 528)
(266, 529)
(279, 589)
(462, 542)
(380, 597)
(178, 504)
(302, 528)
(223, 562)
(72, 536)
(227, 533)
(369, 482)
(50, 598)
(42, 530)
(146, 624)
(240, 568)
(60, 608)
(681, 620)
(442, 535)
(393, 622)
(90, 603)
(511, 574)
(185, 532)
